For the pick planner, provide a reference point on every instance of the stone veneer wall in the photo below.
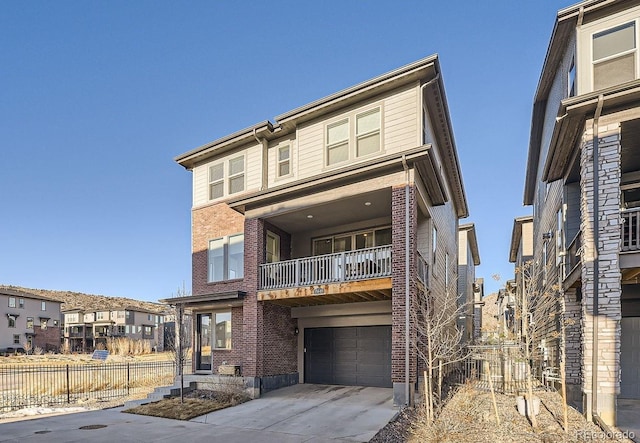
(606, 252)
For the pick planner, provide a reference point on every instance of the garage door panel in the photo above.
(350, 355)
(630, 358)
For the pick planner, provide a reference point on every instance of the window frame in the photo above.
(11, 320)
(16, 339)
(12, 302)
(214, 327)
(242, 174)
(272, 256)
(609, 29)
(217, 181)
(43, 305)
(30, 323)
(226, 243)
(351, 234)
(353, 137)
(21, 303)
(280, 162)
(358, 136)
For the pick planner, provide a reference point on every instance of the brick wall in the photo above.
(208, 223)
(280, 352)
(398, 280)
(48, 339)
(253, 315)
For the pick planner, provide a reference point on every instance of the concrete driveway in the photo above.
(300, 413)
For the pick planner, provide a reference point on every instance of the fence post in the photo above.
(68, 387)
(128, 376)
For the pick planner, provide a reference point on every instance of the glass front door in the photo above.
(203, 342)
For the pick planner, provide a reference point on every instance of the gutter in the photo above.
(407, 299)
(596, 267)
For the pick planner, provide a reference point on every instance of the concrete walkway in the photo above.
(300, 413)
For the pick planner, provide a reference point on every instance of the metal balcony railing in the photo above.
(630, 229)
(361, 264)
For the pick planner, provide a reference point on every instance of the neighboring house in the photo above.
(583, 180)
(85, 331)
(521, 255)
(468, 259)
(478, 303)
(29, 321)
(506, 311)
(301, 265)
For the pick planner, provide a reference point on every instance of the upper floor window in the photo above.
(12, 302)
(226, 258)
(236, 174)
(216, 181)
(235, 178)
(364, 135)
(43, 306)
(21, 303)
(284, 161)
(12, 321)
(29, 322)
(571, 80)
(614, 56)
(338, 142)
(368, 132)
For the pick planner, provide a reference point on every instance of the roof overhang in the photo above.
(565, 25)
(214, 300)
(472, 240)
(516, 236)
(572, 116)
(344, 176)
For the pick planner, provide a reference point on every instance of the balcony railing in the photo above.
(630, 229)
(361, 264)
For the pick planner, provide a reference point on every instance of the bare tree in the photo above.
(438, 339)
(179, 342)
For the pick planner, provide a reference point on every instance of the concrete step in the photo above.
(159, 393)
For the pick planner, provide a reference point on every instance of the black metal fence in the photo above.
(49, 385)
(502, 366)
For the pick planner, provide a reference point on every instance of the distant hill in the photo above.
(489, 312)
(92, 302)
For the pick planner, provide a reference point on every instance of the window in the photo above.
(273, 247)
(148, 331)
(29, 322)
(284, 161)
(571, 80)
(127, 315)
(12, 321)
(614, 56)
(236, 175)
(12, 302)
(16, 339)
(338, 142)
(559, 236)
(222, 330)
(368, 132)
(43, 323)
(226, 258)
(352, 241)
(120, 330)
(216, 181)
(446, 272)
(545, 257)
(21, 303)
(434, 244)
(55, 323)
(43, 306)
(100, 316)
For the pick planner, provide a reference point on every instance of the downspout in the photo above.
(596, 267)
(407, 251)
(265, 160)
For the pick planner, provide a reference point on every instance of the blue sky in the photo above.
(97, 98)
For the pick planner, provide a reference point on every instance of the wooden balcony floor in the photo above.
(331, 293)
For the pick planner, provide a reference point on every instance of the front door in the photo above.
(203, 342)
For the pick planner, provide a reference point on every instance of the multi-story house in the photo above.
(478, 303)
(30, 321)
(309, 235)
(85, 331)
(521, 255)
(468, 259)
(583, 178)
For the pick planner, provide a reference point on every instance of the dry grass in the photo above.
(195, 404)
(469, 417)
(80, 359)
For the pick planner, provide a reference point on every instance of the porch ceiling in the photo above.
(349, 292)
(340, 211)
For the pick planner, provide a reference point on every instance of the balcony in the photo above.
(630, 230)
(360, 275)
